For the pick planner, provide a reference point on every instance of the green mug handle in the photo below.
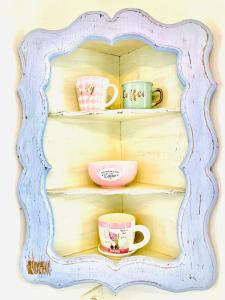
(160, 91)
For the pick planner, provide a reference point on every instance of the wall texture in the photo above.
(16, 19)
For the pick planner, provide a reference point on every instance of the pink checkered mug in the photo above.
(92, 92)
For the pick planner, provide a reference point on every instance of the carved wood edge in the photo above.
(195, 268)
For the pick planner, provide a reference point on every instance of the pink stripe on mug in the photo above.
(115, 225)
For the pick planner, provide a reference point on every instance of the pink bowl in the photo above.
(113, 173)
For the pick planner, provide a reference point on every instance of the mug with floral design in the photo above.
(92, 92)
(117, 234)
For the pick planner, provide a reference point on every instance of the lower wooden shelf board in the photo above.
(142, 252)
(132, 189)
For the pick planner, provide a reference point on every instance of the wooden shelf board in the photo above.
(143, 251)
(115, 114)
(132, 189)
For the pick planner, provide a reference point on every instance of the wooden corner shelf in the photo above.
(175, 147)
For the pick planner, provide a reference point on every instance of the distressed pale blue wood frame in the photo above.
(195, 267)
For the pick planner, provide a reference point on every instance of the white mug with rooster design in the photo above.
(117, 234)
(92, 93)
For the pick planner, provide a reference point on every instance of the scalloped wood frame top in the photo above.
(195, 266)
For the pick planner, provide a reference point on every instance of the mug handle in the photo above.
(147, 236)
(114, 96)
(160, 91)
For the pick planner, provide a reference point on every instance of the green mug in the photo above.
(140, 94)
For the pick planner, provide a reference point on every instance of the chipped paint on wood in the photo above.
(38, 267)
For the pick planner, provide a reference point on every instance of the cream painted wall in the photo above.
(17, 17)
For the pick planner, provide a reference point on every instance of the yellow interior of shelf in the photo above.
(158, 142)
(123, 61)
(158, 147)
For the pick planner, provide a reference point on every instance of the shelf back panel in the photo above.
(158, 67)
(76, 229)
(119, 62)
(159, 213)
(65, 70)
(69, 146)
(76, 220)
(159, 144)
